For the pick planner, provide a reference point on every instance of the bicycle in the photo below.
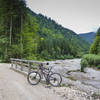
(52, 78)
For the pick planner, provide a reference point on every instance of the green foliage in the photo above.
(94, 57)
(30, 40)
(95, 47)
(92, 60)
(12, 18)
(14, 51)
(25, 34)
(98, 32)
(68, 56)
(84, 64)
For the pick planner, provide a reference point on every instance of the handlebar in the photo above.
(41, 67)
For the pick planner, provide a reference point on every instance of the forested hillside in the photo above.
(25, 34)
(95, 47)
(88, 36)
(93, 58)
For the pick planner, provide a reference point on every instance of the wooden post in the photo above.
(15, 64)
(21, 66)
(11, 64)
(29, 67)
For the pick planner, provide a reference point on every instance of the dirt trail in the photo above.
(14, 86)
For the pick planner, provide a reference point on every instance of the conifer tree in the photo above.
(95, 47)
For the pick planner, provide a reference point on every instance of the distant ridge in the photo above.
(88, 36)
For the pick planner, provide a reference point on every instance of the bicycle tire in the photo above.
(34, 78)
(55, 77)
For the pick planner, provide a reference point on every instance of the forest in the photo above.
(27, 35)
(93, 58)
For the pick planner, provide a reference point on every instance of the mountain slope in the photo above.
(57, 40)
(88, 36)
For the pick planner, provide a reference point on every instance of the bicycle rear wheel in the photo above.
(55, 79)
(34, 78)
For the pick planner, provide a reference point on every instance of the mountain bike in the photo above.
(52, 78)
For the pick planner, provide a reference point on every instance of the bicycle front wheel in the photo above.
(34, 78)
(55, 79)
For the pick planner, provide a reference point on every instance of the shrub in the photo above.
(84, 64)
(97, 60)
(68, 56)
(89, 58)
(92, 60)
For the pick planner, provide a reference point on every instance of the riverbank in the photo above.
(88, 82)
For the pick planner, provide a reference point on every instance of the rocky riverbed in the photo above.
(88, 82)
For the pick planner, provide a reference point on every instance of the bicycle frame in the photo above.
(46, 73)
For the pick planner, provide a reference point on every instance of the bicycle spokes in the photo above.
(34, 78)
(55, 79)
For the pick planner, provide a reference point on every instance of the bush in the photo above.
(84, 64)
(97, 61)
(92, 60)
(89, 58)
(68, 56)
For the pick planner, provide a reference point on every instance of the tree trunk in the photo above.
(21, 36)
(11, 30)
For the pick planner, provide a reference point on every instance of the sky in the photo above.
(81, 16)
